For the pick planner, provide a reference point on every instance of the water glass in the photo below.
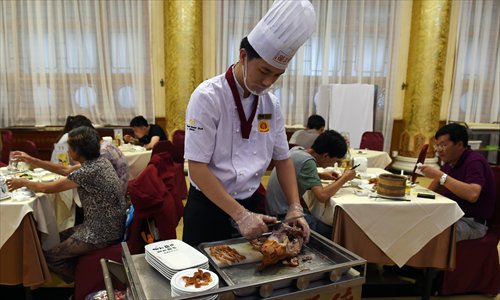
(13, 162)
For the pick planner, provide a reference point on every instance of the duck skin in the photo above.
(285, 242)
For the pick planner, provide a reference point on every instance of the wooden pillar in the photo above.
(425, 75)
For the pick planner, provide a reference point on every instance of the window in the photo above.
(60, 58)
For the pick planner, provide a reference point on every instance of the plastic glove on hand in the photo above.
(295, 211)
(252, 225)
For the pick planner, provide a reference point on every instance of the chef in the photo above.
(234, 128)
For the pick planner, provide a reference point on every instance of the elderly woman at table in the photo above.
(102, 198)
(107, 150)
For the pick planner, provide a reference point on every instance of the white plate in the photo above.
(5, 197)
(176, 255)
(48, 178)
(178, 284)
(404, 198)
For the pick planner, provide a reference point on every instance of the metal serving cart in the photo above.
(332, 273)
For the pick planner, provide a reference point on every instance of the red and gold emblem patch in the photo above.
(263, 126)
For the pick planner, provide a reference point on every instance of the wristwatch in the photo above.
(443, 178)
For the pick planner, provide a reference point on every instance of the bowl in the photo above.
(356, 182)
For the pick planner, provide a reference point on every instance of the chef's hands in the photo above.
(296, 210)
(252, 225)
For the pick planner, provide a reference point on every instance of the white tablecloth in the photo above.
(137, 161)
(376, 159)
(12, 213)
(399, 228)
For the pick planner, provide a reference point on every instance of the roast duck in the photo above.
(284, 244)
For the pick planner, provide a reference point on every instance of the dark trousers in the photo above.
(62, 259)
(206, 222)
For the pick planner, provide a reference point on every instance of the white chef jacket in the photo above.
(213, 136)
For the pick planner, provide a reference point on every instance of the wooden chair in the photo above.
(372, 140)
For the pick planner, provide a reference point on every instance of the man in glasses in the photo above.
(464, 177)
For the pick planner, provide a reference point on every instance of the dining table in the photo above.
(137, 157)
(375, 159)
(405, 230)
(30, 223)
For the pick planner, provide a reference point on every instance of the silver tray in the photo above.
(328, 260)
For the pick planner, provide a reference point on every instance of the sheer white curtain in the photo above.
(476, 86)
(60, 58)
(353, 42)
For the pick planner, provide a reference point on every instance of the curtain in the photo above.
(60, 58)
(353, 42)
(476, 84)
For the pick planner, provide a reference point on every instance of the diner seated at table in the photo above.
(71, 123)
(145, 134)
(107, 150)
(328, 148)
(305, 137)
(466, 178)
(102, 197)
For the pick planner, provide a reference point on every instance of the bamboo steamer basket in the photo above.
(391, 185)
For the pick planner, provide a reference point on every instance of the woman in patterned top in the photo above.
(102, 197)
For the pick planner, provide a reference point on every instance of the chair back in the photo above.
(420, 159)
(6, 145)
(178, 141)
(372, 140)
(168, 146)
(30, 148)
(494, 223)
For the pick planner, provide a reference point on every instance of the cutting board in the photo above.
(245, 249)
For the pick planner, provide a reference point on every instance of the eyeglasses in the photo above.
(440, 146)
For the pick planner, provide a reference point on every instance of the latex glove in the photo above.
(252, 225)
(296, 210)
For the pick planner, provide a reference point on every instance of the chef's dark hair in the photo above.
(85, 141)
(456, 133)
(139, 121)
(251, 53)
(330, 142)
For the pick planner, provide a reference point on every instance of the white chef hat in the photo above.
(281, 32)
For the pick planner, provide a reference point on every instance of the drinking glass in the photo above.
(12, 162)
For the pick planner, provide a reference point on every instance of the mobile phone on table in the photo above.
(426, 195)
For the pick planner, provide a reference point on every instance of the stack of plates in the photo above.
(179, 288)
(171, 256)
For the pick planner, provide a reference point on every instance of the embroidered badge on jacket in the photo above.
(263, 126)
